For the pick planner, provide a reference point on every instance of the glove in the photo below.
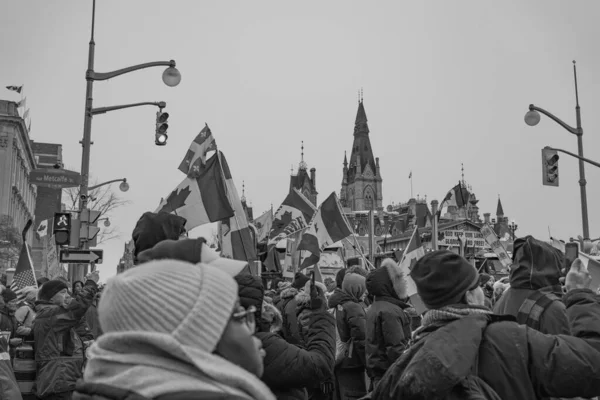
(318, 301)
(578, 276)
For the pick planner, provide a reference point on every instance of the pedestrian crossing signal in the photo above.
(62, 228)
(549, 167)
(161, 128)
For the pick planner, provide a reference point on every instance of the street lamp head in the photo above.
(107, 222)
(124, 186)
(532, 118)
(171, 77)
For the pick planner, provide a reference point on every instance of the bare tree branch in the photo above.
(102, 199)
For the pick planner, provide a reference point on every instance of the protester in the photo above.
(535, 283)
(91, 316)
(58, 349)
(448, 359)
(190, 338)
(25, 314)
(388, 323)
(350, 377)
(153, 228)
(76, 287)
(486, 282)
(288, 306)
(8, 323)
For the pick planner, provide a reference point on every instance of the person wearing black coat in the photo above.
(388, 323)
(289, 369)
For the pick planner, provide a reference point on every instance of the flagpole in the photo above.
(355, 245)
(411, 185)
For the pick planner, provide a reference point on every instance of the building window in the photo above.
(368, 201)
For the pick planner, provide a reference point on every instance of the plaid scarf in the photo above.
(433, 319)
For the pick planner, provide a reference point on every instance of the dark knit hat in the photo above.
(251, 292)
(484, 279)
(153, 228)
(443, 277)
(339, 277)
(8, 295)
(41, 281)
(50, 288)
(300, 280)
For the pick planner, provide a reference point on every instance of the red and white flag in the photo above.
(195, 157)
(236, 240)
(263, 225)
(327, 227)
(15, 88)
(294, 214)
(200, 200)
(414, 251)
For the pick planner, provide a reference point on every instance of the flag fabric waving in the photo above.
(24, 274)
(15, 88)
(414, 251)
(236, 241)
(458, 196)
(196, 154)
(294, 214)
(42, 229)
(327, 227)
(263, 224)
(202, 199)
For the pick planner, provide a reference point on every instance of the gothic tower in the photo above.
(305, 183)
(361, 182)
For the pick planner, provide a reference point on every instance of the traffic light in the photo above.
(161, 128)
(549, 167)
(62, 228)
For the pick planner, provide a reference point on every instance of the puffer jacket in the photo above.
(351, 326)
(58, 349)
(388, 324)
(287, 305)
(516, 361)
(536, 266)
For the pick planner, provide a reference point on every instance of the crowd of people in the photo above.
(185, 323)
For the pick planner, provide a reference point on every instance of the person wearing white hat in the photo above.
(174, 330)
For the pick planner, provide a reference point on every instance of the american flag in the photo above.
(24, 273)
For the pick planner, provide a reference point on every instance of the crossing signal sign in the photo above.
(549, 167)
(62, 228)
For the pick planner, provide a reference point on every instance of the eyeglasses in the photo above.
(246, 315)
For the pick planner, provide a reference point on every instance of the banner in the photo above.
(54, 269)
(492, 240)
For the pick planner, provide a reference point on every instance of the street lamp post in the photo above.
(532, 118)
(171, 77)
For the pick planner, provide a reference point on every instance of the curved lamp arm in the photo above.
(103, 110)
(102, 76)
(569, 128)
(107, 183)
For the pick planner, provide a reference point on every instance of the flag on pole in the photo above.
(410, 175)
(458, 196)
(327, 227)
(263, 224)
(294, 214)
(200, 200)
(24, 274)
(236, 241)
(22, 103)
(196, 154)
(15, 88)
(42, 229)
(414, 251)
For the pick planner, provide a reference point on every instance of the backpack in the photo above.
(534, 307)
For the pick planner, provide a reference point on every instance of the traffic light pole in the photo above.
(581, 159)
(104, 110)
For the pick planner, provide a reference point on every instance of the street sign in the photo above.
(55, 178)
(81, 256)
(89, 216)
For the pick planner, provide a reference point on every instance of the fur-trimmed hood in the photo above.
(271, 319)
(387, 281)
(288, 293)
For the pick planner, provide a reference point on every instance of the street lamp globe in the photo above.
(171, 77)
(107, 222)
(532, 118)
(124, 186)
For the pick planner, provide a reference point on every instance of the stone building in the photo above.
(361, 181)
(17, 160)
(303, 182)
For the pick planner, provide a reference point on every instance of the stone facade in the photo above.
(361, 182)
(17, 194)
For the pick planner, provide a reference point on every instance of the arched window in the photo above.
(368, 201)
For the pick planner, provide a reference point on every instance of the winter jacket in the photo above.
(289, 369)
(8, 323)
(58, 348)
(515, 360)
(351, 325)
(388, 324)
(150, 365)
(536, 266)
(287, 306)
(25, 315)
(91, 316)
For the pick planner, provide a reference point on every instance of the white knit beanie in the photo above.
(191, 303)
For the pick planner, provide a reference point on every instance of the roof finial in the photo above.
(302, 163)
(302, 154)
(243, 199)
(292, 170)
(462, 172)
(361, 95)
(358, 96)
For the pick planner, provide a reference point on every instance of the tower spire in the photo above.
(302, 163)
(462, 173)
(243, 199)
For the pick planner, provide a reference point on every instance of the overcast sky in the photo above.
(445, 83)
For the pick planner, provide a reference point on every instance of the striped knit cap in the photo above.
(191, 303)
